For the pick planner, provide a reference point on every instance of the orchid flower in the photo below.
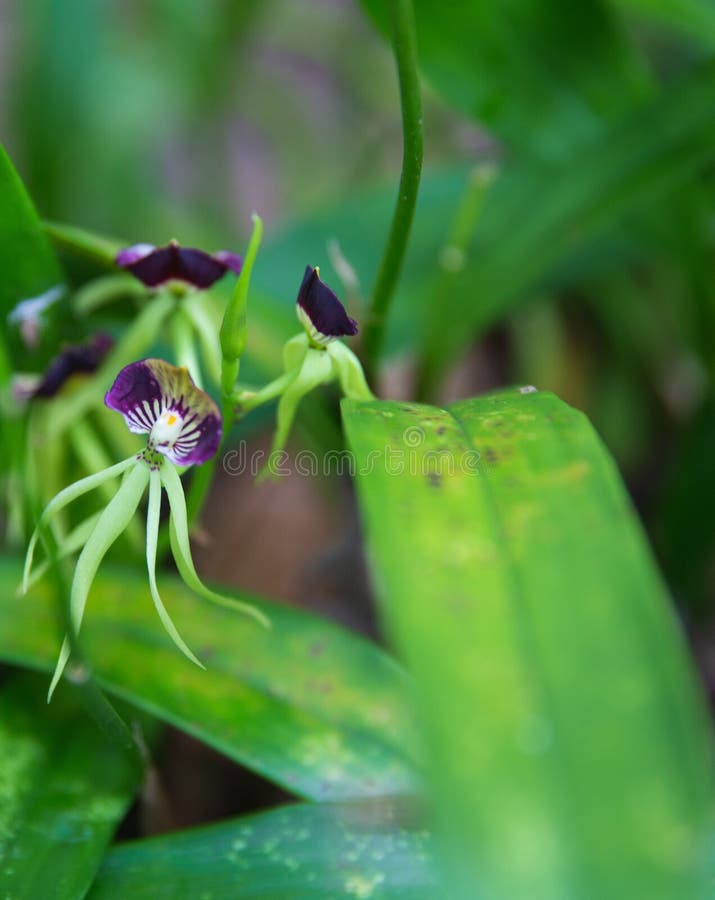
(310, 359)
(187, 273)
(159, 266)
(183, 425)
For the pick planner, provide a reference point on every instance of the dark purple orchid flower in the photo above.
(323, 316)
(155, 266)
(73, 359)
(161, 400)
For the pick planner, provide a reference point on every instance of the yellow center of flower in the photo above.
(166, 430)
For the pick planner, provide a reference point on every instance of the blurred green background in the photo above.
(589, 270)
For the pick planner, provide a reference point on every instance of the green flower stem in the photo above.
(452, 259)
(404, 40)
(246, 401)
(106, 289)
(232, 338)
(233, 333)
(78, 241)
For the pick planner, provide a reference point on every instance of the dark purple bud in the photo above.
(155, 266)
(323, 316)
(161, 400)
(78, 358)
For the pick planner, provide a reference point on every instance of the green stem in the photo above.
(232, 337)
(404, 39)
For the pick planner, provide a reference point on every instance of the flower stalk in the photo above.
(404, 41)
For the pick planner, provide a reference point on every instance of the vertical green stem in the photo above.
(232, 338)
(404, 40)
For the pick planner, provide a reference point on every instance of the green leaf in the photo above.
(542, 76)
(64, 791)
(27, 263)
(568, 747)
(536, 216)
(307, 852)
(307, 704)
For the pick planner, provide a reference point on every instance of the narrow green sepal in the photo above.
(65, 497)
(181, 548)
(114, 519)
(295, 350)
(349, 372)
(67, 546)
(152, 539)
(317, 369)
(194, 306)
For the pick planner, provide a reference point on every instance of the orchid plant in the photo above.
(184, 425)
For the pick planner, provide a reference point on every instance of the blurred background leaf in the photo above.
(542, 76)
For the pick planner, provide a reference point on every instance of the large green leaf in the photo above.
(306, 703)
(542, 76)
(65, 789)
(569, 750)
(308, 852)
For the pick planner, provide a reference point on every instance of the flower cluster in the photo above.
(183, 425)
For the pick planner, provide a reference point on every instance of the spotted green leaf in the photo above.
(305, 703)
(64, 791)
(309, 852)
(568, 748)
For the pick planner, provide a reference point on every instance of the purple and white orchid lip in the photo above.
(161, 400)
(320, 312)
(155, 266)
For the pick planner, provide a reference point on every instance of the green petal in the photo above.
(112, 522)
(66, 496)
(349, 372)
(295, 351)
(152, 537)
(181, 548)
(182, 340)
(317, 369)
